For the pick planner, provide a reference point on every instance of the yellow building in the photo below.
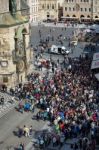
(82, 10)
(15, 54)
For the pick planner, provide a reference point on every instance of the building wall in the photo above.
(95, 9)
(4, 6)
(77, 8)
(34, 10)
(40, 9)
(48, 9)
(8, 62)
(88, 9)
(7, 68)
(7, 47)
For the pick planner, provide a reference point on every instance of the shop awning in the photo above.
(69, 17)
(97, 76)
(96, 56)
(85, 18)
(95, 64)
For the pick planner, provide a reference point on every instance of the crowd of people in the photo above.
(69, 100)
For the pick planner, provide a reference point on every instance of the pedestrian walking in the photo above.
(21, 146)
(30, 131)
(2, 101)
(54, 141)
(75, 146)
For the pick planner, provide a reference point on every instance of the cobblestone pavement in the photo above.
(9, 103)
(59, 25)
(66, 146)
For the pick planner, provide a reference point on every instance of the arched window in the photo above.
(74, 16)
(82, 16)
(88, 16)
(68, 16)
(96, 16)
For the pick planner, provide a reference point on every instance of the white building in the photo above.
(34, 10)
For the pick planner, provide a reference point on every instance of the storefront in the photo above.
(70, 19)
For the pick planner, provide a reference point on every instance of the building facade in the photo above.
(15, 53)
(48, 9)
(81, 9)
(95, 6)
(34, 10)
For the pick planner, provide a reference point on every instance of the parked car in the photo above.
(59, 50)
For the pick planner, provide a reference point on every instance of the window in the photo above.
(85, 9)
(52, 6)
(65, 8)
(81, 9)
(82, 16)
(47, 6)
(42, 6)
(68, 16)
(73, 16)
(69, 8)
(73, 9)
(5, 79)
(88, 16)
(89, 9)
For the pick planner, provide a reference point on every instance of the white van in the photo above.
(58, 50)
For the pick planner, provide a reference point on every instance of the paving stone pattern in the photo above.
(8, 104)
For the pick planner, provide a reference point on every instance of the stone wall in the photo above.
(8, 67)
(4, 6)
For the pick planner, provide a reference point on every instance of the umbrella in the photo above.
(27, 106)
(61, 115)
